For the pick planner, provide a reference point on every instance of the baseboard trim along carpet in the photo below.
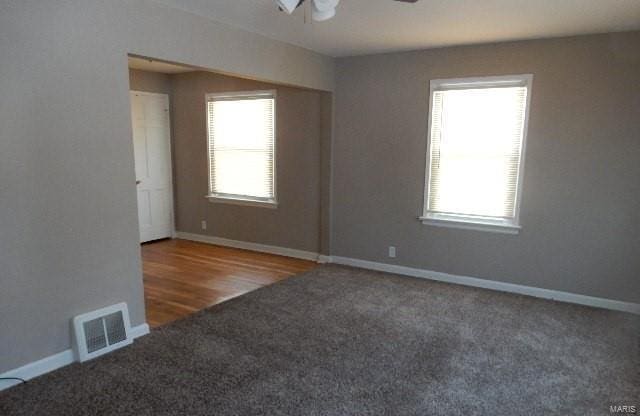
(52, 362)
(245, 245)
(556, 295)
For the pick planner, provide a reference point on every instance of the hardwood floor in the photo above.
(182, 277)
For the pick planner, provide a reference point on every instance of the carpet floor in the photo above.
(345, 341)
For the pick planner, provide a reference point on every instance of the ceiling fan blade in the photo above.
(288, 5)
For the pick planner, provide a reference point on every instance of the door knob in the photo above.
(138, 182)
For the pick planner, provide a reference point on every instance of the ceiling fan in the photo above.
(320, 9)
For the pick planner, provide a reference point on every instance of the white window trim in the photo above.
(469, 222)
(243, 201)
(233, 199)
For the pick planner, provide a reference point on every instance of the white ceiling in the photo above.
(374, 26)
(152, 65)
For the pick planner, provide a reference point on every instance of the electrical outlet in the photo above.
(203, 224)
(392, 252)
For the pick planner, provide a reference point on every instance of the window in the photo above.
(241, 137)
(476, 149)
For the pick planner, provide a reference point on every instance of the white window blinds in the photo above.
(475, 153)
(242, 146)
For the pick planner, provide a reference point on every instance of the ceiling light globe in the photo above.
(325, 5)
(321, 16)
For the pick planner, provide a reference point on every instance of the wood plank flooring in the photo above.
(182, 277)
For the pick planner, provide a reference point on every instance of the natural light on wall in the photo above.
(476, 151)
(242, 146)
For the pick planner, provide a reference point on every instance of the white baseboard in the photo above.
(615, 305)
(52, 362)
(322, 259)
(140, 331)
(263, 248)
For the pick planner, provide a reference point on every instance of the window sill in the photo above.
(466, 223)
(244, 202)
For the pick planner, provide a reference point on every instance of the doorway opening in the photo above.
(169, 128)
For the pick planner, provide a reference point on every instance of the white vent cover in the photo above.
(102, 331)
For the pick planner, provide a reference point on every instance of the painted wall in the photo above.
(149, 81)
(68, 218)
(296, 221)
(581, 202)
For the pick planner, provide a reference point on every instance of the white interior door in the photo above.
(152, 149)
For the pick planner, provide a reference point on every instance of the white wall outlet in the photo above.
(392, 252)
(203, 224)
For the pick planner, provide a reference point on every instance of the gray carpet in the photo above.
(343, 341)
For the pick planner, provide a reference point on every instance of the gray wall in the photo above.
(581, 202)
(68, 218)
(296, 221)
(149, 81)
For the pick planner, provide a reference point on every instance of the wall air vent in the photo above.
(99, 332)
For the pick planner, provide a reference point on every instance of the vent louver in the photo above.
(102, 331)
